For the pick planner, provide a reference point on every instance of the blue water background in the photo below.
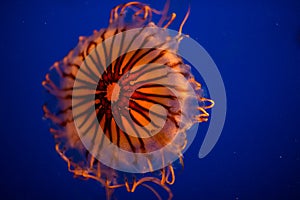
(255, 44)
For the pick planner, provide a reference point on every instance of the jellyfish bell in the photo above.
(125, 101)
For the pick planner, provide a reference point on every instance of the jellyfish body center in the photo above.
(112, 95)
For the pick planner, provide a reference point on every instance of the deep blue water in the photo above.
(256, 45)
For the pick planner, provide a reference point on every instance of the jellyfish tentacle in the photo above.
(152, 190)
(152, 180)
(184, 20)
(173, 16)
(170, 171)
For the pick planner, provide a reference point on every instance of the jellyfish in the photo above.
(120, 102)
